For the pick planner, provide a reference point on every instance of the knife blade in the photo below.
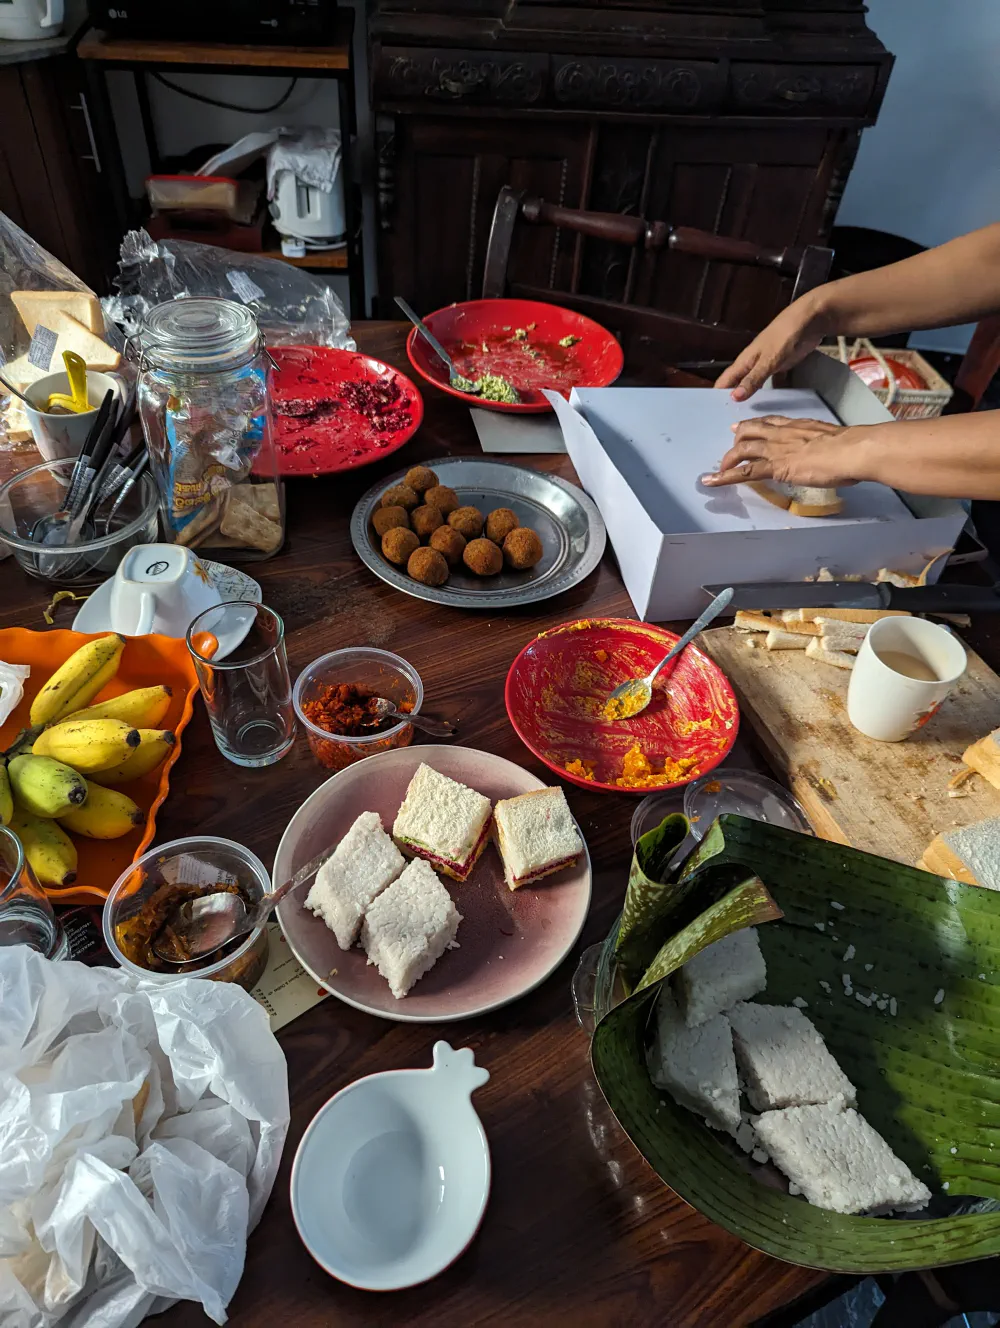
(863, 595)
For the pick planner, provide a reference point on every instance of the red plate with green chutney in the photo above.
(531, 344)
(557, 687)
(338, 409)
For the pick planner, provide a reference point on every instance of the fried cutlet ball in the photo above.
(522, 549)
(450, 543)
(500, 522)
(398, 544)
(401, 495)
(468, 521)
(443, 498)
(426, 519)
(387, 518)
(482, 557)
(420, 478)
(428, 566)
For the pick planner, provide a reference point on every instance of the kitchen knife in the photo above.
(862, 595)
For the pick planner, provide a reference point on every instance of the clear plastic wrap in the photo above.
(24, 265)
(141, 1129)
(292, 307)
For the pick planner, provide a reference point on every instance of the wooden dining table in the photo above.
(579, 1230)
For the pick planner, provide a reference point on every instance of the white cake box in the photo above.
(640, 453)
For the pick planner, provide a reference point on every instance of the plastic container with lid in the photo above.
(206, 414)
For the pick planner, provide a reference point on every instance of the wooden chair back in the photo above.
(651, 337)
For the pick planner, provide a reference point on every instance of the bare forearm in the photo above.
(958, 282)
(957, 456)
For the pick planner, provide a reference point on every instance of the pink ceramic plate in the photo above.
(509, 941)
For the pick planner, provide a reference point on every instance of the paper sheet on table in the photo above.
(499, 432)
(285, 989)
(141, 1129)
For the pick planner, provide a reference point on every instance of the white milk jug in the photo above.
(27, 20)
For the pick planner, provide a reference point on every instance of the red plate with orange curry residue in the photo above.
(557, 687)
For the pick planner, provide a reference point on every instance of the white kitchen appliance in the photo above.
(27, 20)
(306, 189)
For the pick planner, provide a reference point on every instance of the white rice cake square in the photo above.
(725, 972)
(359, 869)
(838, 1161)
(695, 1065)
(784, 1060)
(409, 926)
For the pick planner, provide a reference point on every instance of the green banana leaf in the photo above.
(926, 1066)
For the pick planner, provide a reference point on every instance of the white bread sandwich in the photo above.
(784, 1061)
(409, 926)
(360, 867)
(838, 1161)
(970, 854)
(984, 757)
(818, 649)
(840, 635)
(696, 1066)
(778, 639)
(444, 822)
(799, 499)
(536, 836)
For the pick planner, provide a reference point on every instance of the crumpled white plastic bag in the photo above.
(141, 1129)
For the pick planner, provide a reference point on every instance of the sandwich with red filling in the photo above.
(536, 836)
(444, 822)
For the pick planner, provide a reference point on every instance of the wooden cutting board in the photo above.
(889, 798)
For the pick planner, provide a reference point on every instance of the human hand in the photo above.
(805, 452)
(785, 342)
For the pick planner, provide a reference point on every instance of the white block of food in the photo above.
(695, 1065)
(409, 926)
(784, 1060)
(361, 866)
(722, 974)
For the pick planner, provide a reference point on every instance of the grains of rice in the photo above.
(892, 1005)
(834, 904)
(848, 954)
(939, 996)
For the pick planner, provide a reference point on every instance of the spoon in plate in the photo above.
(631, 698)
(456, 380)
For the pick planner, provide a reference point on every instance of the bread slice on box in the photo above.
(970, 854)
(799, 499)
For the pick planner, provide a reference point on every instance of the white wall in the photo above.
(930, 168)
(183, 124)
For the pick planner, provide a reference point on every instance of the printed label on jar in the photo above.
(43, 343)
(245, 287)
(191, 870)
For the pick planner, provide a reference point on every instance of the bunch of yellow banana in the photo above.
(53, 779)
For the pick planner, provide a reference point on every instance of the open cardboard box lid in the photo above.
(639, 453)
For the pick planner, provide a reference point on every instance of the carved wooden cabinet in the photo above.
(743, 120)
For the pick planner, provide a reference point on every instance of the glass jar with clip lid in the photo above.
(204, 402)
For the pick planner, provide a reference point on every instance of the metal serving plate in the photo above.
(568, 522)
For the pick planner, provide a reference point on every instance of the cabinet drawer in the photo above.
(637, 85)
(461, 77)
(802, 89)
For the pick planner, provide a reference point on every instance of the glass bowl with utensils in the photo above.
(81, 549)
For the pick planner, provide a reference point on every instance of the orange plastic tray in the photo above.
(146, 661)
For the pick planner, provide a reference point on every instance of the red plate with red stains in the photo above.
(557, 686)
(531, 344)
(338, 409)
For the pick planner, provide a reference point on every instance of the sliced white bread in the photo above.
(970, 854)
(984, 757)
(38, 306)
(799, 499)
(840, 635)
(778, 639)
(850, 615)
(748, 620)
(838, 659)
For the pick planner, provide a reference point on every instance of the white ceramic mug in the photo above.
(61, 436)
(888, 705)
(160, 588)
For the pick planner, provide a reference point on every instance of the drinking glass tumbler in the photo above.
(239, 655)
(26, 916)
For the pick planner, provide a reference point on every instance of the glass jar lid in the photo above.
(195, 335)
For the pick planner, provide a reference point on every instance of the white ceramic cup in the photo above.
(887, 705)
(160, 588)
(60, 436)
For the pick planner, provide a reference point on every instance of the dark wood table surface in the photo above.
(579, 1230)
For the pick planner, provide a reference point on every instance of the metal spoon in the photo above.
(631, 698)
(11, 388)
(198, 927)
(456, 380)
(438, 728)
